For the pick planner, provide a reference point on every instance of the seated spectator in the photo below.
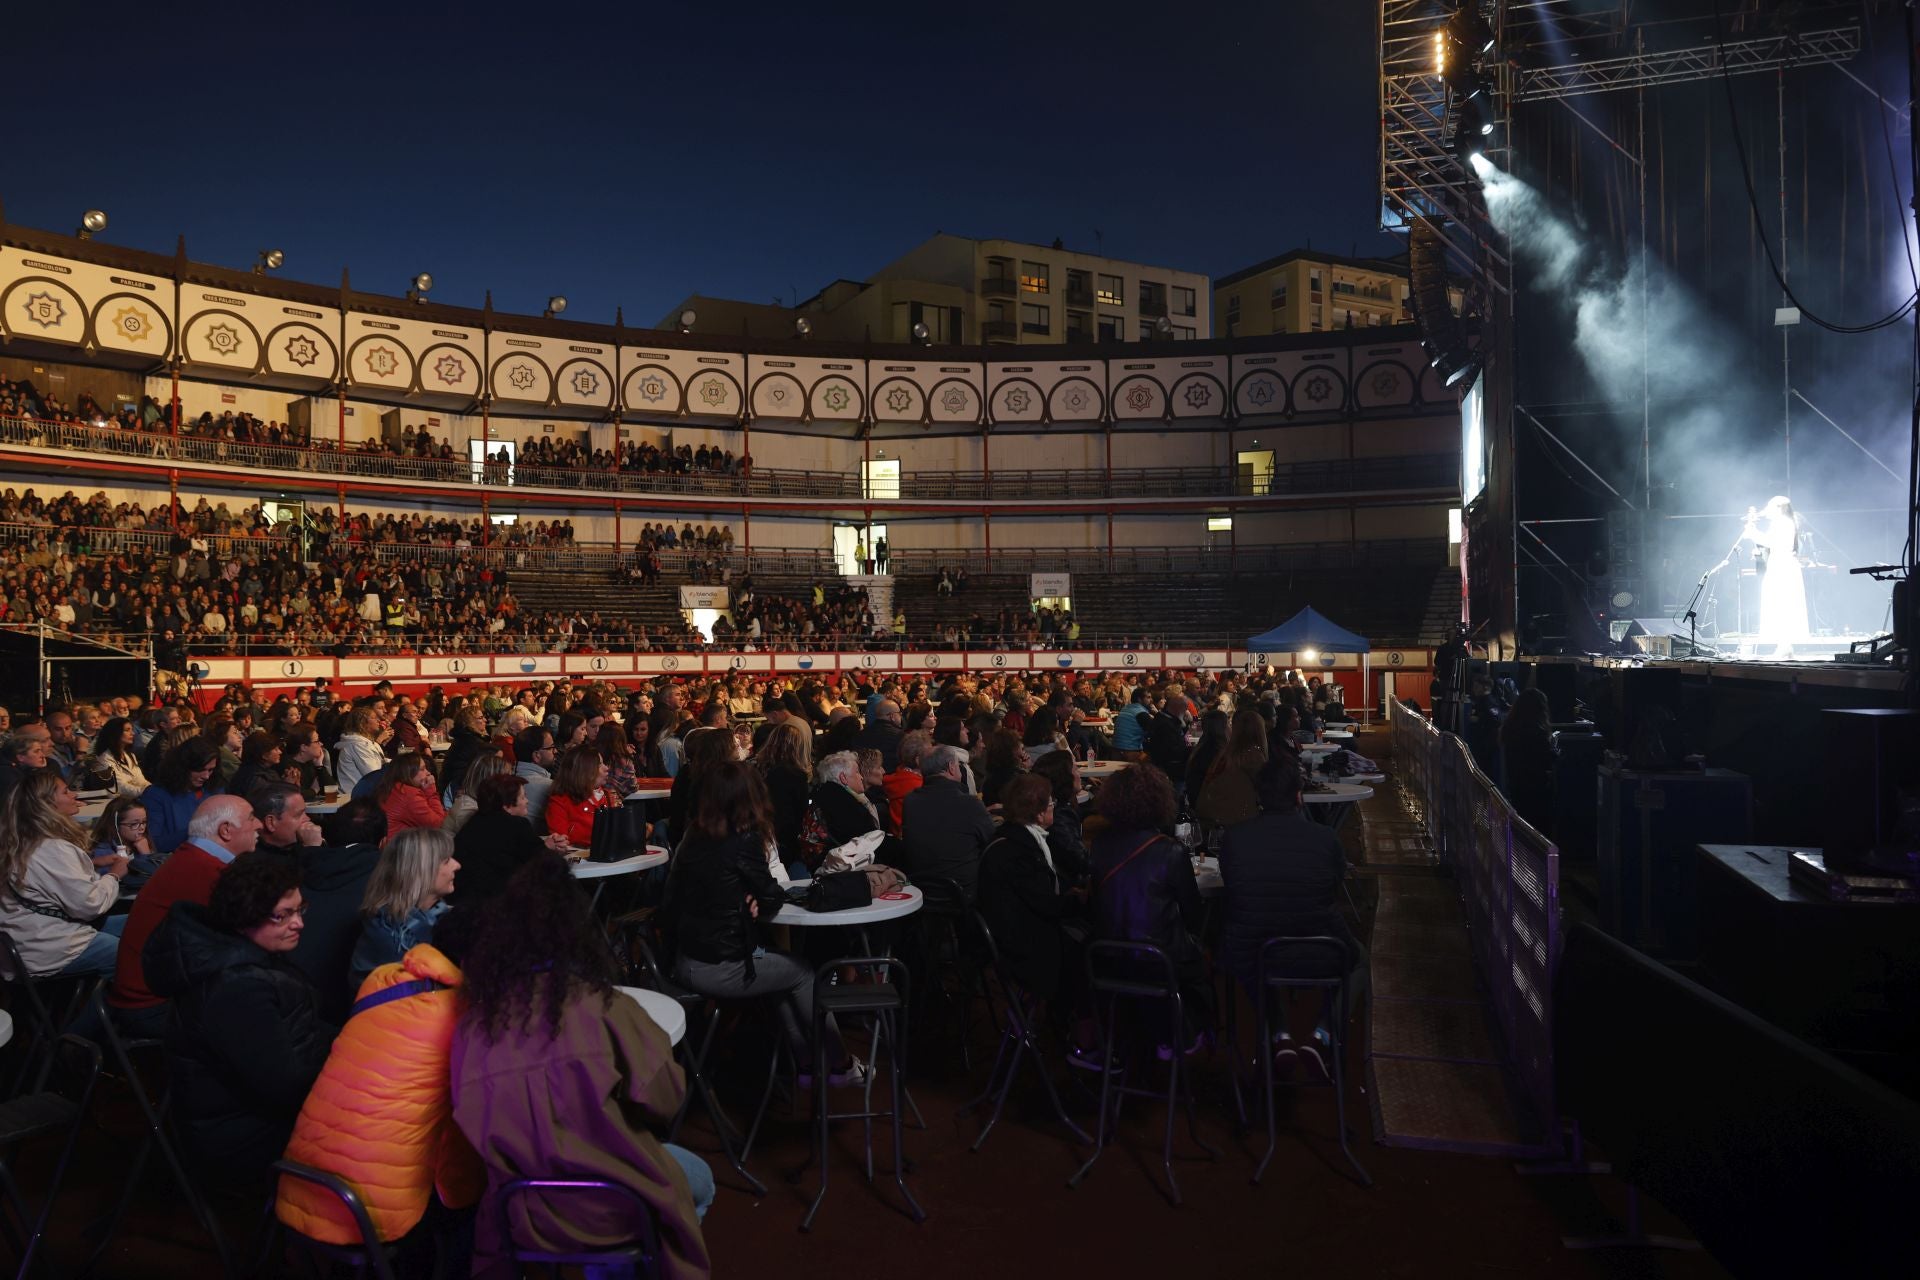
(114, 761)
(121, 832)
(222, 829)
(50, 894)
(380, 1116)
(882, 733)
(1024, 901)
(623, 771)
(406, 897)
(1130, 727)
(704, 749)
(1281, 873)
(1144, 889)
(1227, 792)
(785, 762)
(333, 880)
(183, 780)
(498, 840)
(259, 762)
(358, 752)
(1064, 838)
(483, 764)
(718, 885)
(304, 751)
(1006, 759)
(533, 750)
(282, 812)
(1213, 741)
(409, 796)
(469, 739)
(246, 1038)
(943, 829)
(557, 1075)
(1042, 734)
(905, 778)
(839, 809)
(23, 754)
(579, 792)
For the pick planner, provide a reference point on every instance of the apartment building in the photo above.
(1305, 292)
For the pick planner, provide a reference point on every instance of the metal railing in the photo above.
(324, 459)
(1509, 880)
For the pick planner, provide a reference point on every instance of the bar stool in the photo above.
(641, 1256)
(1018, 1037)
(57, 1091)
(1113, 973)
(1275, 984)
(883, 997)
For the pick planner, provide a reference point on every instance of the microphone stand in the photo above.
(1692, 615)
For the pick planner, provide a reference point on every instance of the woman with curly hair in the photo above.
(558, 1075)
(1143, 885)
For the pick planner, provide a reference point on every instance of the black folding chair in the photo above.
(28, 1003)
(640, 1258)
(122, 1053)
(1276, 985)
(60, 1080)
(1114, 974)
(1019, 1037)
(943, 926)
(371, 1256)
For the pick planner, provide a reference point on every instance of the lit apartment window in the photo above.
(1112, 292)
(1033, 277)
(1035, 318)
(1113, 328)
(1183, 301)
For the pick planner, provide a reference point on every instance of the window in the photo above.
(1079, 287)
(1313, 282)
(1079, 326)
(996, 311)
(1146, 331)
(1279, 299)
(1033, 277)
(1233, 327)
(1233, 308)
(1035, 318)
(1113, 328)
(1314, 318)
(1183, 301)
(1112, 292)
(1219, 524)
(1184, 332)
(1153, 298)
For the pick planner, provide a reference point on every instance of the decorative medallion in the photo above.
(1199, 395)
(222, 339)
(586, 383)
(1262, 391)
(1018, 400)
(714, 392)
(899, 399)
(132, 324)
(1076, 399)
(302, 350)
(522, 376)
(1319, 388)
(954, 401)
(836, 398)
(450, 369)
(652, 388)
(46, 310)
(1139, 397)
(382, 361)
(1386, 383)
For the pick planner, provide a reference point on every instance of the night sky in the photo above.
(629, 155)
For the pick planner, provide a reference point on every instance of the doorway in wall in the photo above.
(1255, 467)
(850, 540)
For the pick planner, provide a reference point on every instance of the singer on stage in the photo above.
(1775, 533)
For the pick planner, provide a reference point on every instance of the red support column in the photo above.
(616, 529)
(986, 524)
(173, 495)
(343, 507)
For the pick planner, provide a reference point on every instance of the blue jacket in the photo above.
(384, 941)
(1130, 727)
(168, 813)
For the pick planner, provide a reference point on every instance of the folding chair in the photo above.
(60, 1085)
(1113, 974)
(122, 1053)
(369, 1257)
(1018, 1038)
(640, 1258)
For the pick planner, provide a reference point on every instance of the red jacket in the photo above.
(898, 785)
(412, 807)
(188, 875)
(574, 818)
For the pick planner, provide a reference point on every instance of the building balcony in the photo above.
(999, 331)
(1079, 297)
(999, 287)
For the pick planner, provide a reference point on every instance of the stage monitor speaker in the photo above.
(1559, 681)
(1659, 638)
(1649, 823)
(1872, 758)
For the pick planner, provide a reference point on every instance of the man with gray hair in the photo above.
(221, 829)
(882, 733)
(944, 829)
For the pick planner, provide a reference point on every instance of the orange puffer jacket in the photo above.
(381, 1114)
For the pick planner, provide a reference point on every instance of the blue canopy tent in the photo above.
(1309, 632)
(1305, 630)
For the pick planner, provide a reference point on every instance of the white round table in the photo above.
(651, 793)
(1332, 805)
(1206, 874)
(1318, 748)
(1103, 768)
(667, 1012)
(6, 1027)
(1337, 735)
(903, 901)
(654, 856)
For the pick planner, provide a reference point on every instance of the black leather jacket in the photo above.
(707, 891)
(1144, 891)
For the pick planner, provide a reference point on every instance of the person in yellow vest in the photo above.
(900, 624)
(381, 1115)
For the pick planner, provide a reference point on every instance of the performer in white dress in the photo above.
(1775, 532)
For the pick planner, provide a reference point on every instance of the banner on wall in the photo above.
(1048, 586)
(703, 597)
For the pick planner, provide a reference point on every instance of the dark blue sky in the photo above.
(633, 154)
